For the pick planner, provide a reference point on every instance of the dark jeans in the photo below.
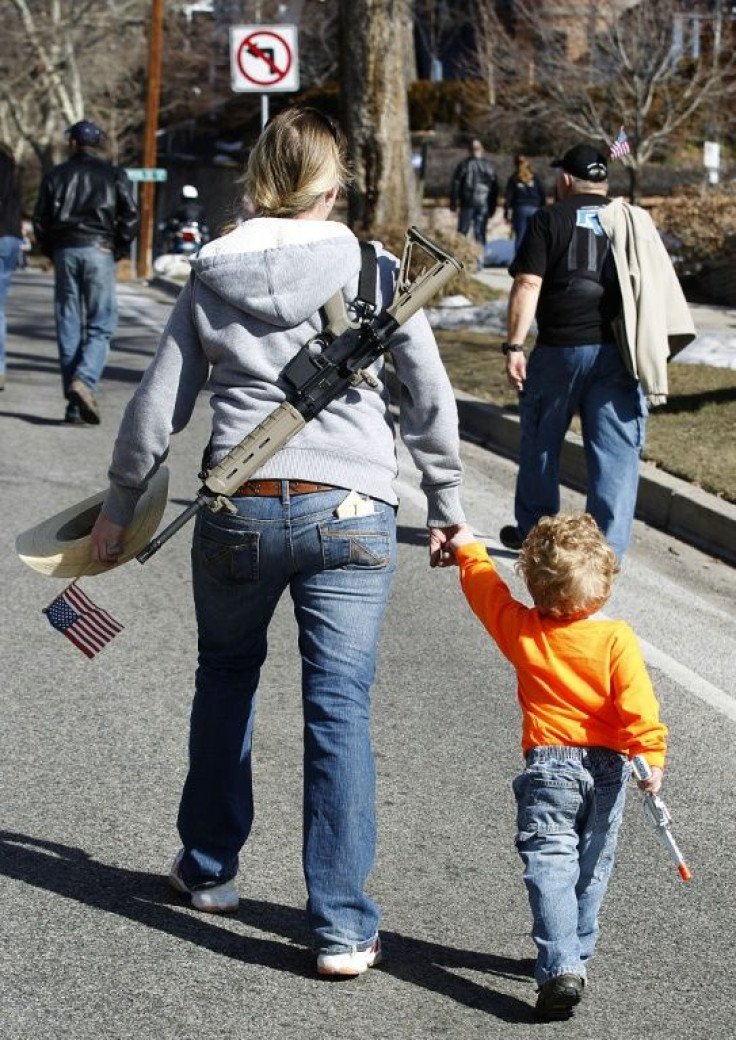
(592, 381)
(478, 218)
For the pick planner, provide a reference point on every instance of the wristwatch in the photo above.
(511, 348)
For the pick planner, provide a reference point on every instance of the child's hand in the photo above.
(654, 782)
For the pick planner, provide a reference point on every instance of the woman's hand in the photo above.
(107, 541)
(444, 540)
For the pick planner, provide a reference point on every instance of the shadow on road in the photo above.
(34, 420)
(146, 899)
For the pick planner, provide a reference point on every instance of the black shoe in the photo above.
(73, 418)
(80, 395)
(510, 537)
(558, 996)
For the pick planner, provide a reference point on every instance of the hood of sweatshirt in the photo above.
(278, 270)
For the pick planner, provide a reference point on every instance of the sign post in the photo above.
(712, 160)
(145, 176)
(263, 60)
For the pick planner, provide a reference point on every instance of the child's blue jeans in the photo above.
(570, 802)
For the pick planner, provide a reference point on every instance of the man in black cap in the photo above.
(85, 219)
(565, 276)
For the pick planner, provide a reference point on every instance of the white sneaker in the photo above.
(218, 899)
(354, 962)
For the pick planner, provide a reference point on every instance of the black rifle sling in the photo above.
(367, 281)
(334, 311)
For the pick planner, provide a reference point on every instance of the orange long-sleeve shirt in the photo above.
(580, 682)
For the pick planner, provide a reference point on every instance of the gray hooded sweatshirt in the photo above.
(253, 302)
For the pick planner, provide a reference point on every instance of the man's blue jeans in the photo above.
(474, 216)
(9, 253)
(592, 381)
(570, 803)
(85, 310)
(338, 572)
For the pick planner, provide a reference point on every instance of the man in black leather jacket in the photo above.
(474, 194)
(85, 219)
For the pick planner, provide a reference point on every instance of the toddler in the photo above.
(588, 707)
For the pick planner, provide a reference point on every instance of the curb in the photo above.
(668, 503)
(663, 501)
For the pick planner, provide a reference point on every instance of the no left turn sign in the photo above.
(263, 58)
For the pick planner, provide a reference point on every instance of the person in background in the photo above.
(188, 211)
(11, 238)
(610, 312)
(588, 707)
(565, 275)
(86, 218)
(524, 195)
(316, 521)
(474, 194)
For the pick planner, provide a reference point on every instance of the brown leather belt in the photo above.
(272, 488)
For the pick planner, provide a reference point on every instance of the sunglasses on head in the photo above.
(327, 121)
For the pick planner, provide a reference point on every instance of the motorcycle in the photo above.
(184, 238)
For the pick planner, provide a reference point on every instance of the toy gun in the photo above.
(658, 816)
(335, 359)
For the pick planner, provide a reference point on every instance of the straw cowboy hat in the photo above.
(61, 546)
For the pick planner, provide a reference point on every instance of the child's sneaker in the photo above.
(558, 996)
(217, 899)
(354, 962)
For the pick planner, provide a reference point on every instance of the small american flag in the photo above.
(620, 146)
(87, 626)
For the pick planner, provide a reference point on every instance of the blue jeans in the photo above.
(570, 802)
(519, 220)
(477, 218)
(338, 572)
(9, 253)
(592, 381)
(85, 309)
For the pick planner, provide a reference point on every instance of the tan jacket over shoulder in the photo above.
(656, 322)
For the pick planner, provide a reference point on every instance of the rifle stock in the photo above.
(321, 371)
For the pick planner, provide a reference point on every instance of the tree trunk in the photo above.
(375, 35)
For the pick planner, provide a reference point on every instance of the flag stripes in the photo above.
(620, 146)
(84, 624)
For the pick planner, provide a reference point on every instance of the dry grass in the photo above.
(693, 436)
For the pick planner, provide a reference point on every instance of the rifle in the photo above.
(658, 816)
(335, 359)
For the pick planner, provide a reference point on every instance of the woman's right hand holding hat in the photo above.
(107, 540)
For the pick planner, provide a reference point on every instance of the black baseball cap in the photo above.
(85, 132)
(585, 162)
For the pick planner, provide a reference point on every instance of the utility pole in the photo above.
(145, 240)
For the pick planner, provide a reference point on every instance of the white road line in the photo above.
(685, 677)
(689, 680)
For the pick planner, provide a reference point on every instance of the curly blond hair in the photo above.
(300, 155)
(568, 566)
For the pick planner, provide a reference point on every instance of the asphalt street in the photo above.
(94, 945)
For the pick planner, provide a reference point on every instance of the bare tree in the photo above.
(375, 36)
(55, 57)
(638, 70)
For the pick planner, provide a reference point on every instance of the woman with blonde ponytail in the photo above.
(525, 194)
(318, 519)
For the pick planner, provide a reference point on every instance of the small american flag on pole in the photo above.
(88, 626)
(620, 146)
